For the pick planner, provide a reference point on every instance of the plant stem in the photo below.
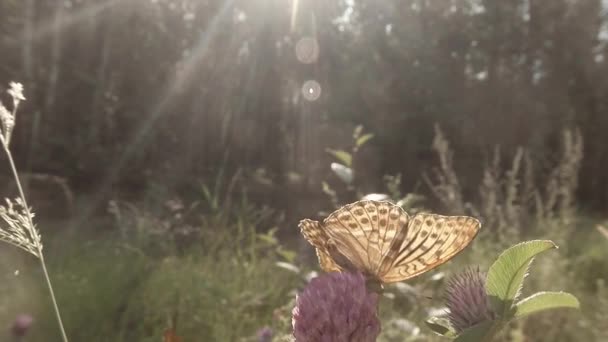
(494, 329)
(33, 235)
(55, 306)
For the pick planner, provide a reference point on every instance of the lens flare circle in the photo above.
(311, 90)
(307, 50)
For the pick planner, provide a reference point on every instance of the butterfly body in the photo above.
(381, 240)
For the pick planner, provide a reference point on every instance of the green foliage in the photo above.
(360, 138)
(95, 279)
(506, 276)
(363, 139)
(228, 285)
(222, 288)
(478, 333)
(345, 169)
(223, 284)
(541, 301)
(441, 326)
(504, 284)
(342, 156)
(412, 202)
(217, 299)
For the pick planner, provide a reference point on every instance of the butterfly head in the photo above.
(374, 285)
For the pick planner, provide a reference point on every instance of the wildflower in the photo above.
(336, 307)
(16, 92)
(467, 300)
(21, 325)
(7, 119)
(264, 334)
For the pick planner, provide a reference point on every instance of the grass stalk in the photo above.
(5, 140)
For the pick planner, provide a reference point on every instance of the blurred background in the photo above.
(169, 148)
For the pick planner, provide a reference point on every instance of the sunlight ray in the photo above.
(294, 14)
(51, 26)
(181, 79)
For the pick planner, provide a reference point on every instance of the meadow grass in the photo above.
(112, 289)
(212, 268)
(123, 289)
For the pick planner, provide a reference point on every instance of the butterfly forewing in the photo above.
(393, 221)
(432, 240)
(364, 231)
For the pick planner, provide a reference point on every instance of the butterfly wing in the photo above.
(429, 241)
(314, 234)
(363, 232)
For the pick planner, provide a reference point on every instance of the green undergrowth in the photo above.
(112, 289)
(220, 290)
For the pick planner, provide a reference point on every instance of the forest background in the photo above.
(153, 118)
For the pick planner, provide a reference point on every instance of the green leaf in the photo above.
(363, 139)
(287, 254)
(441, 326)
(209, 197)
(478, 333)
(357, 131)
(269, 239)
(327, 189)
(541, 301)
(506, 276)
(345, 173)
(288, 266)
(343, 156)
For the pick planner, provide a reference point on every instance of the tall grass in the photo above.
(512, 197)
(221, 280)
(19, 229)
(516, 198)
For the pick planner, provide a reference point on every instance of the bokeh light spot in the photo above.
(311, 90)
(307, 50)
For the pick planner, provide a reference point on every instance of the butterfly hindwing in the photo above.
(350, 230)
(431, 241)
(314, 234)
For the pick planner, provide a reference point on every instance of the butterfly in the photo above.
(381, 240)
